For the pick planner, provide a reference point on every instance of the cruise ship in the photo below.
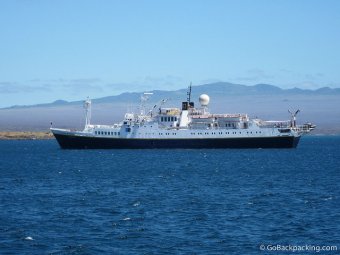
(186, 127)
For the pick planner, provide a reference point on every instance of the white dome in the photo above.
(204, 99)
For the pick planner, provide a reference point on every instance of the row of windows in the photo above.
(106, 133)
(220, 133)
(199, 133)
(168, 119)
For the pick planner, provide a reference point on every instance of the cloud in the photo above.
(87, 80)
(71, 85)
(255, 75)
(90, 84)
(75, 88)
(210, 80)
(147, 83)
(306, 85)
(14, 87)
(297, 75)
(154, 82)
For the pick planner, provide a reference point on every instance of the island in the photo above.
(25, 135)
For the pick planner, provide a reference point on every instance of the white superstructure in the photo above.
(187, 122)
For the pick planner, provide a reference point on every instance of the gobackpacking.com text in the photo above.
(298, 248)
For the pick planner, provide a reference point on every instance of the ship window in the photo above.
(95, 132)
(161, 118)
(175, 118)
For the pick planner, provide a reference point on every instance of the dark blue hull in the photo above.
(82, 142)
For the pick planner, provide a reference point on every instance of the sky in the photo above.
(63, 49)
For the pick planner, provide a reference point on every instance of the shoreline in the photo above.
(26, 135)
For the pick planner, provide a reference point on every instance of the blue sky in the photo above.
(68, 50)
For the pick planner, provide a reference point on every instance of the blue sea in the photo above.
(224, 201)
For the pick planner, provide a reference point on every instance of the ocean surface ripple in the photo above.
(55, 201)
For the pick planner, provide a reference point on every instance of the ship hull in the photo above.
(68, 141)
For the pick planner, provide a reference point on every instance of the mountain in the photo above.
(213, 89)
(320, 106)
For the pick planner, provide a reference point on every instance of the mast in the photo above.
(189, 93)
(87, 107)
(144, 97)
(293, 118)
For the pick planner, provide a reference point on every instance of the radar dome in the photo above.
(204, 99)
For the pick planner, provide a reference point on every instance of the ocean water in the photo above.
(55, 201)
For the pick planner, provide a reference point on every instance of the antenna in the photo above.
(189, 93)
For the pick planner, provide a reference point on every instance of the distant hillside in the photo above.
(213, 89)
(319, 106)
